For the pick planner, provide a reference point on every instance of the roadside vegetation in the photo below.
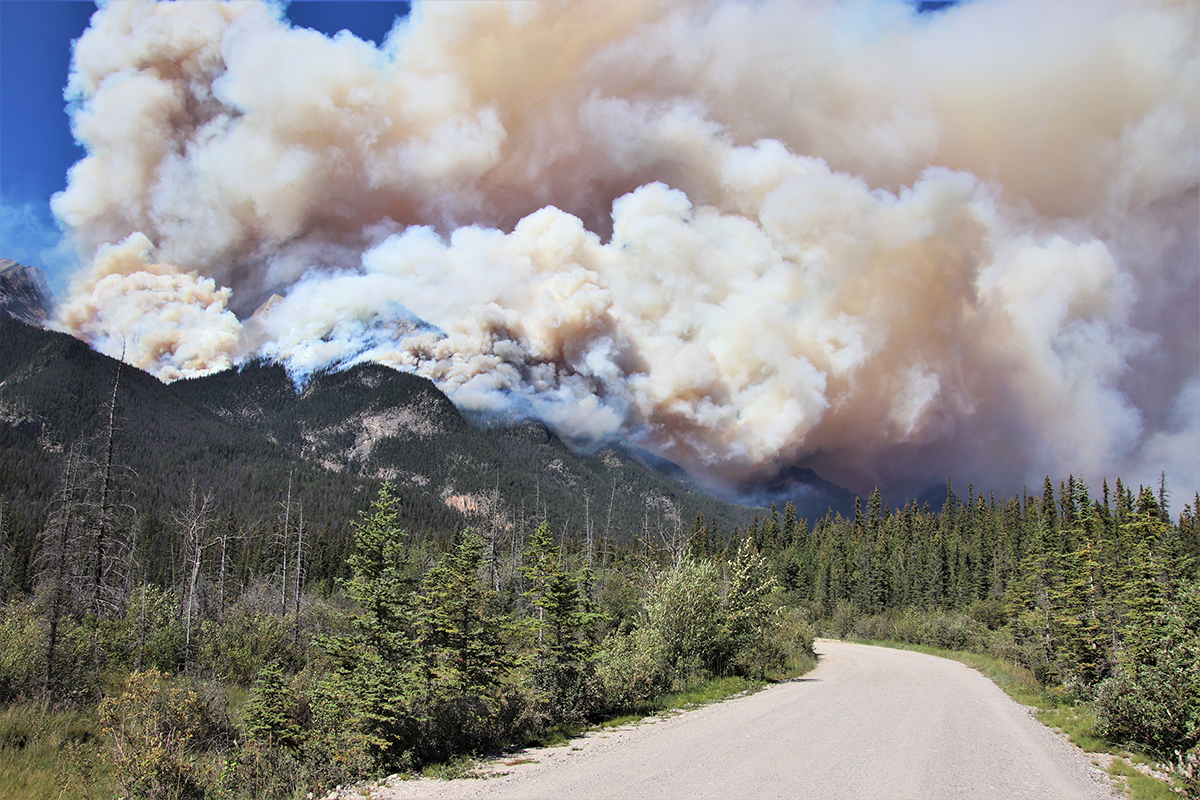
(426, 653)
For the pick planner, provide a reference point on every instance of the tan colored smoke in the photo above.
(745, 235)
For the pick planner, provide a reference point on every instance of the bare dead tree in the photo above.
(287, 512)
(112, 557)
(587, 526)
(226, 536)
(194, 524)
(494, 512)
(59, 570)
(517, 548)
(298, 562)
(606, 541)
(4, 550)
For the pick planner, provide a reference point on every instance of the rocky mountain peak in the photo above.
(24, 293)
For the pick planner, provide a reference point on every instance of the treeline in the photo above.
(1097, 596)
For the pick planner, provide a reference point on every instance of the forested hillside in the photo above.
(259, 448)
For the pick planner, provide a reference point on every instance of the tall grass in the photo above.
(47, 753)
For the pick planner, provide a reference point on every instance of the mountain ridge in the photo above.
(249, 433)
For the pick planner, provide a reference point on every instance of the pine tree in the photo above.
(1140, 592)
(771, 539)
(1079, 632)
(375, 682)
(459, 630)
(271, 712)
(561, 650)
(790, 532)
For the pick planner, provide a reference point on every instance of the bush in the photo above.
(240, 645)
(158, 735)
(22, 651)
(795, 635)
(1155, 702)
(683, 609)
(150, 635)
(631, 670)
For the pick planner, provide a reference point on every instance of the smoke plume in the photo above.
(887, 245)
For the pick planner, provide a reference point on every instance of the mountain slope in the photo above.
(54, 393)
(373, 421)
(246, 435)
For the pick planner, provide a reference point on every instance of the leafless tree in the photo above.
(59, 571)
(194, 524)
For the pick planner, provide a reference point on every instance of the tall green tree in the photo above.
(459, 630)
(561, 648)
(374, 684)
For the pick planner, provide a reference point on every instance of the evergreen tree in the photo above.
(459, 638)
(562, 649)
(271, 711)
(790, 532)
(771, 538)
(1079, 632)
(1141, 592)
(374, 683)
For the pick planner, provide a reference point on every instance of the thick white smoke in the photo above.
(887, 245)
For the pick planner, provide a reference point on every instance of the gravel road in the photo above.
(869, 722)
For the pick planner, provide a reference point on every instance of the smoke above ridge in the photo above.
(885, 245)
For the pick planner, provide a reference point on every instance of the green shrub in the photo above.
(795, 635)
(22, 651)
(150, 635)
(1155, 702)
(159, 735)
(243, 642)
(684, 611)
(631, 669)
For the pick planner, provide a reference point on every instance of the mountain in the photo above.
(812, 495)
(55, 394)
(246, 435)
(375, 422)
(24, 293)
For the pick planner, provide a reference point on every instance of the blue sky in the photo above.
(36, 146)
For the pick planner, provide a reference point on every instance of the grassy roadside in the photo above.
(1130, 770)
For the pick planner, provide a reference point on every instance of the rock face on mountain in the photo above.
(24, 293)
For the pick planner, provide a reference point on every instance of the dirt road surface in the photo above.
(869, 722)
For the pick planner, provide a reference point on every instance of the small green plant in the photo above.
(460, 767)
(1139, 785)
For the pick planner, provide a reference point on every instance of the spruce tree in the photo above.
(375, 682)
